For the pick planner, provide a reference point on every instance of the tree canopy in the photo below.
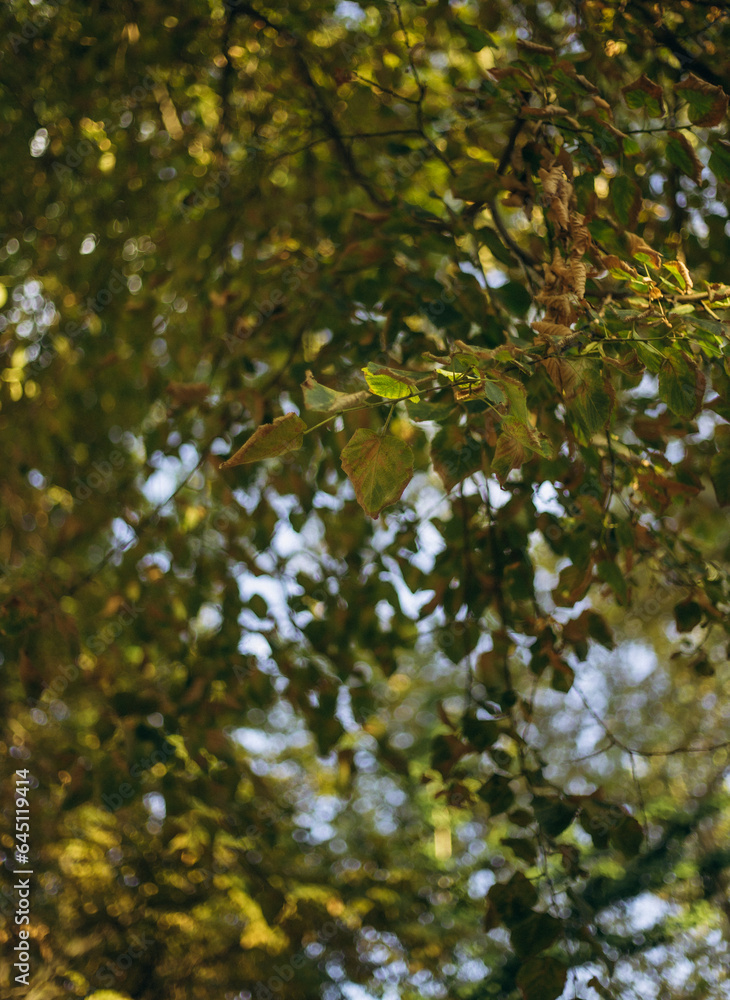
(364, 399)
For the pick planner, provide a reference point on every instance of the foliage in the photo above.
(364, 399)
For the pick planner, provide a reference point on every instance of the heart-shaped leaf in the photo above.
(379, 468)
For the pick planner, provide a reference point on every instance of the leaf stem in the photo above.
(387, 422)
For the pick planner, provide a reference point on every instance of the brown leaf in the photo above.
(557, 267)
(707, 103)
(586, 83)
(559, 308)
(578, 271)
(553, 181)
(652, 99)
(611, 261)
(682, 268)
(562, 374)
(551, 111)
(528, 46)
(188, 393)
(551, 329)
(580, 234)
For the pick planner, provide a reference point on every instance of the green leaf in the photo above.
(542, 979)
(475, 38)
(649, 356)
(509, 454)
(429, 411)
(553, 815)
(497, 794)
(476, 181)
(516, 396)
(527, 436)
(496, 247)
(706, 103)
(679, 274)
(379, 468)
(514, 297)
(269, 441)
(388, 382)
(681, 154)
(611, 574)
(573, 584)
(493, 393)
(323, 400)
(720, 476)
(681, 384)
(626, 199)
(644, 94)
(720, 159)
(593, 403)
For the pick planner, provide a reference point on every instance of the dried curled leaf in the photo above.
(557, 192)
(578, 273)
(551, 111)
(559, 308)
(528, 46)
(552, 329)
(638, 246)
(613, 264)
(681, 274)
(580, 234)
(586, 83)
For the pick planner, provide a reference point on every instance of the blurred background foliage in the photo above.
(272, 750)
